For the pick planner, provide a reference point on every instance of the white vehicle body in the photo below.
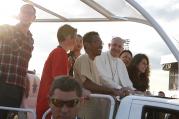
(131, 107)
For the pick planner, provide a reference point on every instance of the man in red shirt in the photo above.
(55, 66)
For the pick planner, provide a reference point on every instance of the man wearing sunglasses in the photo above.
(64, 98)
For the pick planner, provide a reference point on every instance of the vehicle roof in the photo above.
(83, 10)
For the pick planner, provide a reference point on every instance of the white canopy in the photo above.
(89, 11)
(79, 10)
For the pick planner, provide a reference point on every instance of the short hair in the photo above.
(161, 92)
(78, 35)
(64, 31)
(119, 39)
(128, 51)
(88, 37)
(27, 5)
(66, 84)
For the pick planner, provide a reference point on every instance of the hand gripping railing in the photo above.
(19, 110)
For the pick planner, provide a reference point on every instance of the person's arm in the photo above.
(110, 84)
(95, 88)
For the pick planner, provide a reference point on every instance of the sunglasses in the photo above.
(60, 103)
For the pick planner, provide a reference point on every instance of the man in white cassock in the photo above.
(112, 70)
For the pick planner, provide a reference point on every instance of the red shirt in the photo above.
(55, 65)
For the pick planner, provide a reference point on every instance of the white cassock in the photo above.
(112, 71)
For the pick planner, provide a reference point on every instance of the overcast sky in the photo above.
(143, 39)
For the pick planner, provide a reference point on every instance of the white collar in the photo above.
(111, 57)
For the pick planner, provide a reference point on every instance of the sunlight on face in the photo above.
(9, 10)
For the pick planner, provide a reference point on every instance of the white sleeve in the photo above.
(124, 77)
(109, 83)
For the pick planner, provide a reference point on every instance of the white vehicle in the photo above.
(131, 107)
(142, 107)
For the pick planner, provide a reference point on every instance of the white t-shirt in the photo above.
(85, 68)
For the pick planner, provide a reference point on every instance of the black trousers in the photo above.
(10, 96)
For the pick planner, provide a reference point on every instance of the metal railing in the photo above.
(46, 113)
(86, 112)
(19, 110)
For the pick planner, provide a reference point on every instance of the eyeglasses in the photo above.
(61, 103)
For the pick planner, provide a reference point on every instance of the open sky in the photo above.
(143, 39)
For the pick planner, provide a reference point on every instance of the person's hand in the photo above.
(126, 91)
(116, 92)
(120, 93)
(86, 93)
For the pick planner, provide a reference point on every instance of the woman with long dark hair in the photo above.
(139, 71)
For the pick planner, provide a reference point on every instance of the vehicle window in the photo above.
(95, 108)
(151, 112)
